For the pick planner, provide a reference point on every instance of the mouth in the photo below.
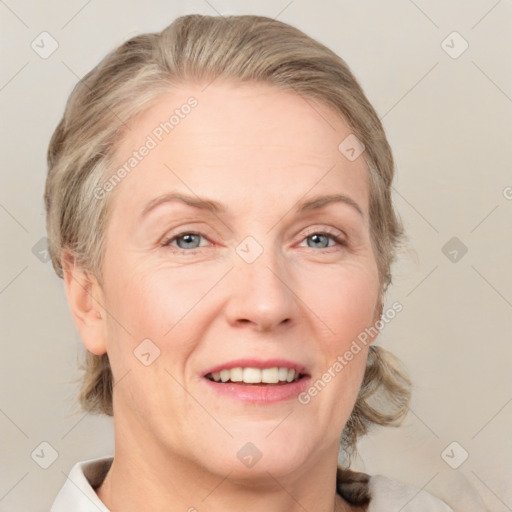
(256, 381)
(252, 376)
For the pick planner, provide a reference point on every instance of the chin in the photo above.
(260, 472)
(253, 457)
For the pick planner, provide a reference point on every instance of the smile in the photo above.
(249, 375)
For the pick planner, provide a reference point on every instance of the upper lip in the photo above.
(258, 363)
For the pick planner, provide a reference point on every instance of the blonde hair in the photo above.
(199, 49)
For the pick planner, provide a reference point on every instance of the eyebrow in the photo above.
(215, 207)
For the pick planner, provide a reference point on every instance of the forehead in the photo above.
(245, 113)
(251, 135)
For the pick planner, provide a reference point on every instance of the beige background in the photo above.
(449, 122)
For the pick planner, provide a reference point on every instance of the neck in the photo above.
(145, 475)
(117, 496)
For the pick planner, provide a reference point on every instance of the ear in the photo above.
(85, 297)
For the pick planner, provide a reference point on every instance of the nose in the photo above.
(261, 294)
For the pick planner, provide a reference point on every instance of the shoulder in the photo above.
(386, 493)
(78, 490)
(381, 494)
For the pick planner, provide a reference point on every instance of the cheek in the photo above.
(344, 299)
(351, 311)
(145, 307)
(150, 301)
(164, 306)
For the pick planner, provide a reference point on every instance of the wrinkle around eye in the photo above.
(352, 231)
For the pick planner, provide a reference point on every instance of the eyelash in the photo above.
(326, 232)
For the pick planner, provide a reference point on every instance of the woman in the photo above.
(218, 204)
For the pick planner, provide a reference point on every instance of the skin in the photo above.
(258, 151)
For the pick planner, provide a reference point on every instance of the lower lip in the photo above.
(260, 394)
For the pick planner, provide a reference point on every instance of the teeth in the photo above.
(236, 374)
(252, 375)
(255, 375)
(270, 375)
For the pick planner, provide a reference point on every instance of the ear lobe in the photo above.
(85, 298)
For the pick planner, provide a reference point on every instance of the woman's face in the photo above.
(189, 290)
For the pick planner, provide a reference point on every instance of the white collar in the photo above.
(78, 492)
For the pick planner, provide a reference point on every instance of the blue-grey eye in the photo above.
(191, 241)
(184, 241)
(319, 240)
